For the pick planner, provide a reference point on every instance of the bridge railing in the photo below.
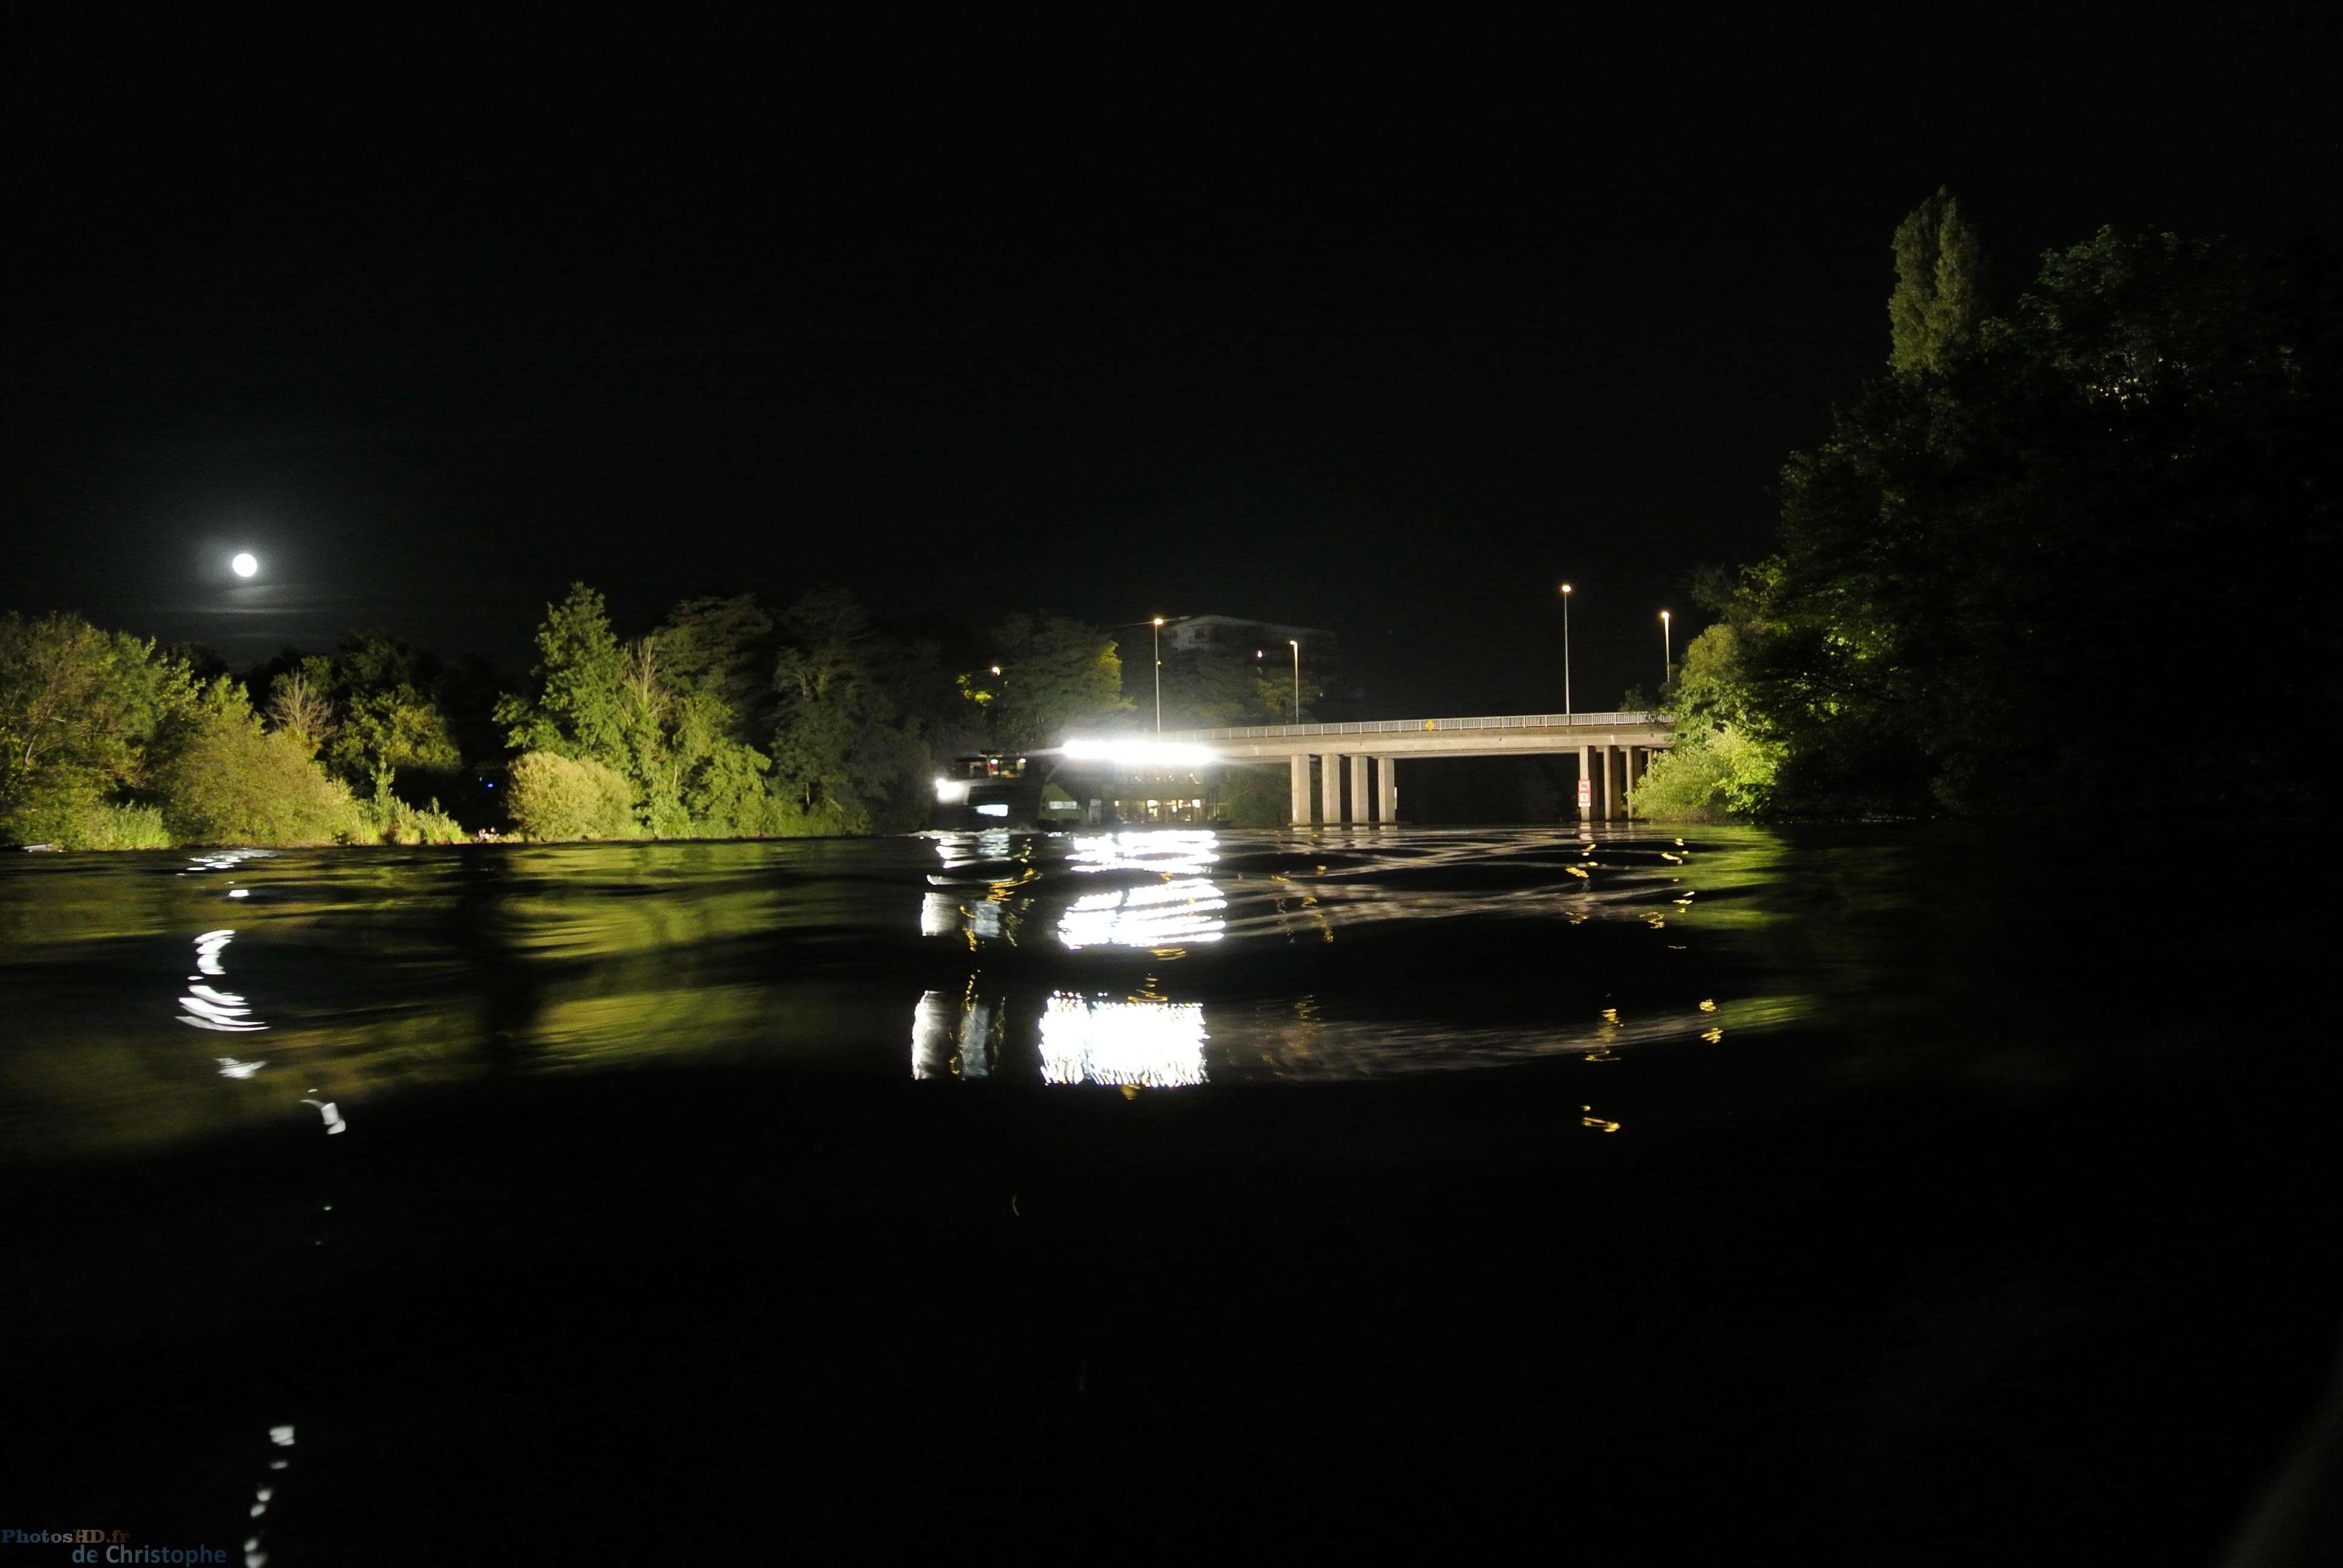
(1418, 726)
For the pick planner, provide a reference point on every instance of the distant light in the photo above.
(1139, 753)
(1159, 620)
(951, 791)
(246, 565)
(1566, 587)
(993, 809)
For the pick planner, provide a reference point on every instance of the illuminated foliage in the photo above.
(579, 708)
(301, 709)
(1934, 311)
(556, 796)
(78, 711)
(222, 779)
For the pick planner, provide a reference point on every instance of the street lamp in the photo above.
(1296, 646)
(1159, 675)
(1565, 654)
(1666, 657)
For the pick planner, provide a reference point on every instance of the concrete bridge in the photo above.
(1614, 750)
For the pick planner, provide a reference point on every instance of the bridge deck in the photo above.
(1492, 735)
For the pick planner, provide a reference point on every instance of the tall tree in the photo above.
(1938, 298)
(579, 705)
(1057, 674)
(842, 753)
(723, 649)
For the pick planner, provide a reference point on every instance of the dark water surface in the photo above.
(1884, 1195)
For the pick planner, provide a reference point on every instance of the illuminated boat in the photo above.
(1001, 790)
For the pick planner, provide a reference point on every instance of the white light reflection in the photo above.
(331, 1112)
(225, 859)
(207, 1007)
(1137, 1044)
(231, 1067)
(957, 851)
(1173, 853)
(955, 1036)
(1164, 914)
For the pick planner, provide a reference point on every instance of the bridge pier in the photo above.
(1613, 750)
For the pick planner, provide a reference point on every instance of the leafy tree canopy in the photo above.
(1057, 674)
(1962, 564)
(79, 708)
(844, 755)
(579, 707)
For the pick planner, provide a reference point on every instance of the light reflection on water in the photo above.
(1143, 958)
(1141, 1044)
(208, 1007)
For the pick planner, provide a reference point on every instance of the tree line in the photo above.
(2051, 546)
(728, 717)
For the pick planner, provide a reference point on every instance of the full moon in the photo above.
(245, 565)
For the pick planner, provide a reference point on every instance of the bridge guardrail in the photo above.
(1418, 726)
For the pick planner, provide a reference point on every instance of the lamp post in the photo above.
(1667, 658)
(1296, 646)
(1565, 654)
(1159, 675)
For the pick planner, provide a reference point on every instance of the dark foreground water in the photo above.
(1875, 1196)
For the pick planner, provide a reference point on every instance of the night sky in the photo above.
(1380, 331)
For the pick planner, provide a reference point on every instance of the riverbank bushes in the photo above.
(1710, 775)
(225, 779)
(387, 820)
(556, 796)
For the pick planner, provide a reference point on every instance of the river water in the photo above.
(370, 1156)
